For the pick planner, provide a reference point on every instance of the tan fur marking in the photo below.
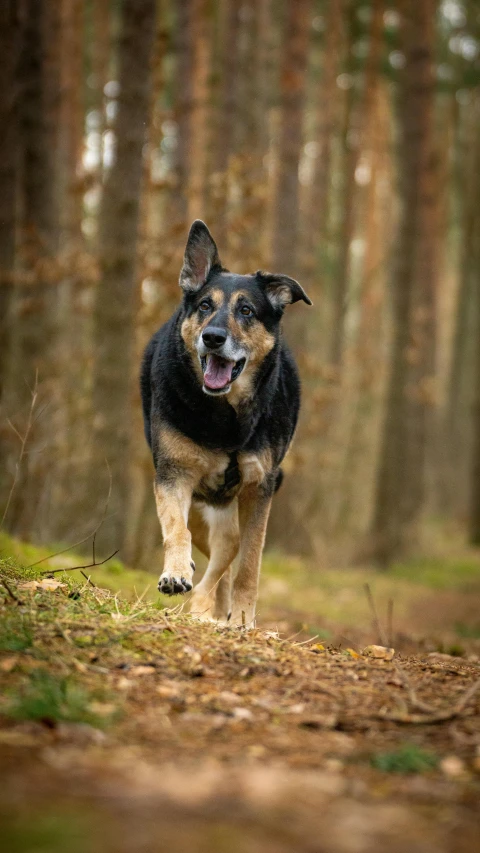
(190, 330)
(254, 467)
(199, 530)
(217, 297)
(254, 509)
(223, 543)
(173, 503)
(257, 342)
(197, 462)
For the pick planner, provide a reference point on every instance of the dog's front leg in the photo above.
(173, 504)
(254, 508)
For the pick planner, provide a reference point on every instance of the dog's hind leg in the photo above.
(254, 509)
(223, 598)
(223, 540)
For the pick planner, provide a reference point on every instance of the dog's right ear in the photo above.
(201, 255)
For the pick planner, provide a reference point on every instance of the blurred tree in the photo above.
(292, 95)
(9, 53)
(401, 476)
(114, 311)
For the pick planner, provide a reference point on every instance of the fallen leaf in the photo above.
(142, 670)
(7, 664)
(353, 653)
(48, 584)
(452, 766)
(378, 652)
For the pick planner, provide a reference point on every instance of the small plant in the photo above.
(15, 635)
(51, 700)
(407, 759)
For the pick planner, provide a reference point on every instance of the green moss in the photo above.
(46, 833)
(408, 759)
(15, 634)
(50, 699)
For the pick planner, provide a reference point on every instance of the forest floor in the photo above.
(125, 726)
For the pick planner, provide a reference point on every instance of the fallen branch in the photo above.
(439, 717)
(10, 591)
(74, 568)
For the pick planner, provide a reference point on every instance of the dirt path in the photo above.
(124, 728)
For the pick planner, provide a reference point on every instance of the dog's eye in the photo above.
(204, 306)
(246, 311)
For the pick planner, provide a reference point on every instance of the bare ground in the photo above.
(127, 728)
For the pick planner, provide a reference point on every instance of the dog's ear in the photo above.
(281, 290)
(200, 256)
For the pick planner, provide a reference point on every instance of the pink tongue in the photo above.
(218, 372)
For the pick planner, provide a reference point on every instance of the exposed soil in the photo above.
(217, 739)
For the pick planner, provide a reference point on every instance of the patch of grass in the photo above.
(468, 631)
(46, 833)
(438, 573)
(408, 759)
(113, 575)
(51, 699)
(15, 635)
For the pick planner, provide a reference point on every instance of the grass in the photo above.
(50, 699)
(319, 597)
(15, 634)
(408, 759)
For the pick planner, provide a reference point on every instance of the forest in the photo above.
(322, 140)
(336, 142)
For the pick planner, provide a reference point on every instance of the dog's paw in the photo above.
(171, 583)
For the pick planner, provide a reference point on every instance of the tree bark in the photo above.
(115, 305)
(292, 95)
(9, 53)
(401, 475)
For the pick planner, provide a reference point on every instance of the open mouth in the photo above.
(219, 373)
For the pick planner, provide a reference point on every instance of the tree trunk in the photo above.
(114, 312)
(474, 266)
(9, 52)
(325, 110)
(292, 95)
(34, 345)
(198, 190)
(401, 475)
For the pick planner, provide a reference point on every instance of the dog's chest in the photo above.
(227, 475)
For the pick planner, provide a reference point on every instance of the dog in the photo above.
(220, 396)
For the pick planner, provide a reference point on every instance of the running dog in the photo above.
(221, 396)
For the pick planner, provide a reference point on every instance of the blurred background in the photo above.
(337, 142)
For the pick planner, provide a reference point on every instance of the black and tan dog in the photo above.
(221, 396)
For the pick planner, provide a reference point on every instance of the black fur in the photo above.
(172, 393)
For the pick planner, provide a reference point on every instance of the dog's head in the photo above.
(231, 321)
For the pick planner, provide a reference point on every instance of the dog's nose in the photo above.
(214, 336)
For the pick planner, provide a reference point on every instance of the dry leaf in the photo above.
(378, 652)
(141, 670)
(7, 664)
(353, 653)
(48, 584)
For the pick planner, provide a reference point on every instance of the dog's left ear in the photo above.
(281, 290)
(200, 256)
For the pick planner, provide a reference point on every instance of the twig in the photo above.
(440, 717)
(376, 621)
(88, 579)
(23, 440)
(86, 538)
(10, 591)
(74, 568)
(390, 621)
